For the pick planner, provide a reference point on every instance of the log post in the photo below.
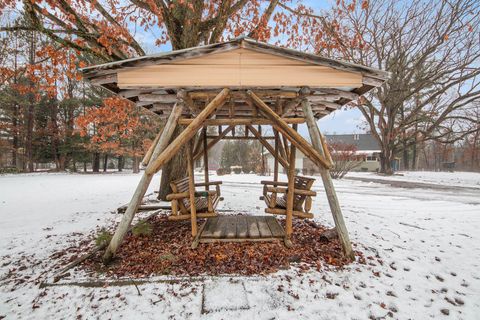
(205, 157)
(143, 184)
(275, 164)
(191, 188)
(290, 195)
(327, 182)
(205, 165)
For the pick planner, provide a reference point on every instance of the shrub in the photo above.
(103, 238)
(221, 171)
(237, 170)
(143, 228)
(8, 170)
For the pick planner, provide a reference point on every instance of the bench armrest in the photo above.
(202, 184)
(183, 195)
(274, 183)
(296, 191)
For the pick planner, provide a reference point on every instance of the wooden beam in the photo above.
(283, 94)
(275, 165)
(214, 141)
(239, 138)
(267, 145)
(111, 78)
(340, 93)
(189, 103)
(290, 195)
(163, 98)
(325, 149)
(205, 157)
(149, 153)
(328, 183)
(240, 121)
(189, 132)
(191, 188)
(285, 147)
(142, 187)
(198, 143)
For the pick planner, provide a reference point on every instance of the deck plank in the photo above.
(242, 227)
(253, 231)
(263, 228)
(230, 228)
(210, 227)
(217, 232)
(275, 227)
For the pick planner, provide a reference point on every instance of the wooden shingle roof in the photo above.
(281, 76)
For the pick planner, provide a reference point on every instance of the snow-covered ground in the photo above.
(423, 249)
(460, 179)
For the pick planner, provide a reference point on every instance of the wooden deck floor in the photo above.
(241, 228)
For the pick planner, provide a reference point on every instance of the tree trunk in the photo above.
(414, 156)
(406, 160)
(136, 164)
(96, 162)
(105, 162)
(30, 109)
(84, 166)
(29, 136)
(386, 157)
(15, 135)
(175, 169)
(120, 163)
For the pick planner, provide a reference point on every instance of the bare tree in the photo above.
(345, 158)
(432, 50)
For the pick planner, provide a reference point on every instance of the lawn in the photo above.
(422, 247)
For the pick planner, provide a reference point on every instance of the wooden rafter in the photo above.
(282, 126)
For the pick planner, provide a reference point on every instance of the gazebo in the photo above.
(241, 82)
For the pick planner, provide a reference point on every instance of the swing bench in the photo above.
(205, 201)
(275, 196)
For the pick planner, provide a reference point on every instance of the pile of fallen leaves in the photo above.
(166, 251)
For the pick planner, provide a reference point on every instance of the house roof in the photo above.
(363, 142)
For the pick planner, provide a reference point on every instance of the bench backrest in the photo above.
(302, 183)
(180, 185)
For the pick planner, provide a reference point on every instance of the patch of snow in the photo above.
(422, 248)
(461, 179)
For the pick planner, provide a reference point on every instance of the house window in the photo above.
(371, 158)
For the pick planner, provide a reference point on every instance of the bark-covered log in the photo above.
(329, 235)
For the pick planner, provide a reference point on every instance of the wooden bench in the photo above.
(205, 201)
(302, 201)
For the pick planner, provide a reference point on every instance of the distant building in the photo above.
(367, 147)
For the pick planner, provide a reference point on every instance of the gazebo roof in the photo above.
(281, 77)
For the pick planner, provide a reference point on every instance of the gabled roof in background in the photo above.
(363, 141)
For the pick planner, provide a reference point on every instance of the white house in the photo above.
(366, 145)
